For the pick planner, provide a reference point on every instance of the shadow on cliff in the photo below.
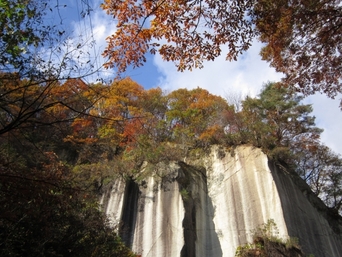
(198, 224)
(200, 237)
(316, 226)
(129, 212)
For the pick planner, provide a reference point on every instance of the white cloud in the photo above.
(246, 76)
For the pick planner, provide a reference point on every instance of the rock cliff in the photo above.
(209, 206)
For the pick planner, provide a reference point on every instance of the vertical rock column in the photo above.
(112, 202)
(158, 228)
(243, 194)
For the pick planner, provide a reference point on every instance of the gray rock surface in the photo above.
(210, 206)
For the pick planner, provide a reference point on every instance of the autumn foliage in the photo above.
(63, 144)
(302, 38)
(192, 31)
(63, 140)
(303, 41)
(129, 117)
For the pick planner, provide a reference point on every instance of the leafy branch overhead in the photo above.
(193, 31)
(302, 38)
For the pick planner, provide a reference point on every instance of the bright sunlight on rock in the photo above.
(210, 205)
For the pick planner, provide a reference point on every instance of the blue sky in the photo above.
(245, 76)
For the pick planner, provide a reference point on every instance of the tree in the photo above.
(37, 47)
(194, 31)
(322, 171)
(44, 210)
(303, 38)
(37, 58)
(20, 28)
(195, 115)
(155, 105)
(119, 107)
(278, 120)
(288, 118)
(43, 213)
(25, 103)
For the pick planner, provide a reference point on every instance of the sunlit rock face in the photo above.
(210, 206)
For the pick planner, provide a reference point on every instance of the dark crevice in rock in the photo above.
(129, 212)
(193, 183)
(189, 226)
(189, 222)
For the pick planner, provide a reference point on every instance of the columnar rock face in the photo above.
(210, 206)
